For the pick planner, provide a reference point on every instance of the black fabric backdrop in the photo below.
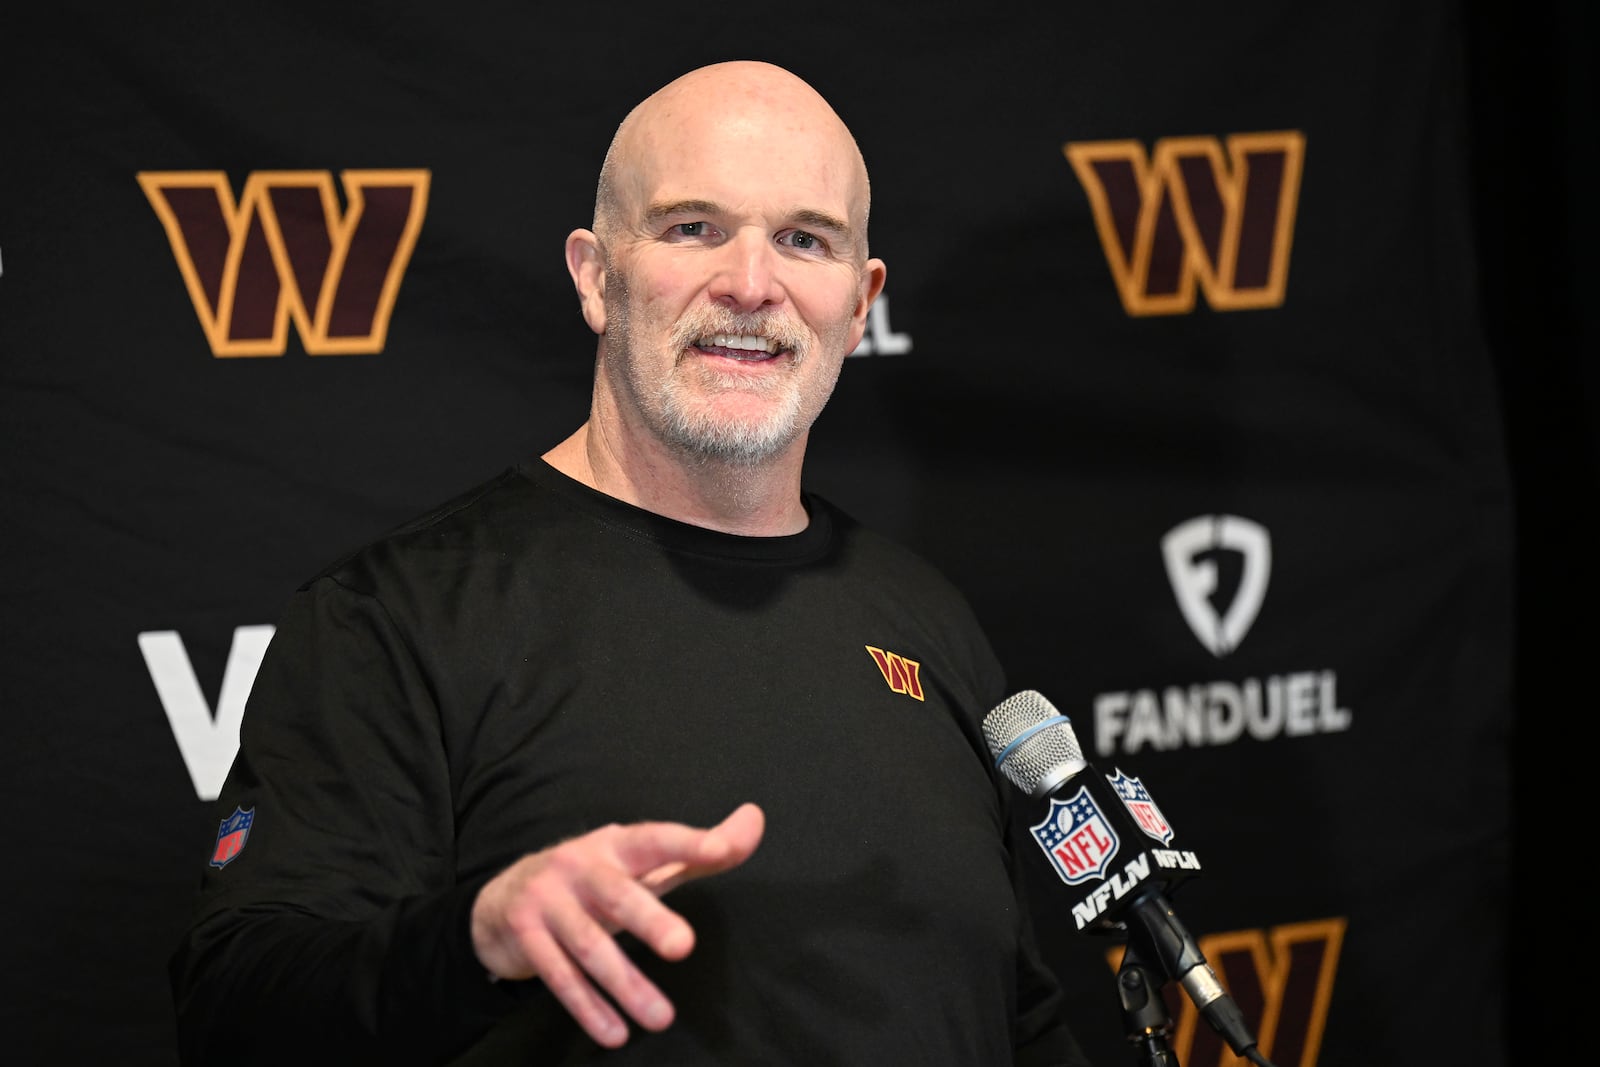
(1382, 415)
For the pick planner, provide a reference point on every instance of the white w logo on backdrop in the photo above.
(208, 742)
(1194, 580)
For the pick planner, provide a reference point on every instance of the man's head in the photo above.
(727, 272)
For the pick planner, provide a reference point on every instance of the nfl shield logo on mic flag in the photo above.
(1136, 798)
(1077, 837)
(231, 836)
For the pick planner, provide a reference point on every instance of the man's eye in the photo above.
(802, 239)
(690, 229)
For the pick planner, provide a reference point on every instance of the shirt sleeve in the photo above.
(1042, 1036)
(337, 931)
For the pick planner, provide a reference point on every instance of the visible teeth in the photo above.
(747, 342)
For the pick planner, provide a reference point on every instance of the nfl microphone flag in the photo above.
(1109, 842)
(1104, 835)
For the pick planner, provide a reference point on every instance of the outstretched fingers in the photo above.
(724, 846)
(554, 914)
(567, 983)
(584, 936)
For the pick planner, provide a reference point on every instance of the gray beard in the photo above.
(707, 438)
(699, 435)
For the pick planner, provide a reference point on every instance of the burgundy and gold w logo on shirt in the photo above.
(285, 252)
(903, 675)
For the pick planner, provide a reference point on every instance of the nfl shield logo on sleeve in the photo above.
(231, 836)
(1077, 837)
(1136, 798)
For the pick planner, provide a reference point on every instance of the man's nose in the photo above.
(749, 272)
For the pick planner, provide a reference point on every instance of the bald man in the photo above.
(483, 750)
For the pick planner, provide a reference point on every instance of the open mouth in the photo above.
(740, 346)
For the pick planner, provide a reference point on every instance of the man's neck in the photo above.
(757, 501)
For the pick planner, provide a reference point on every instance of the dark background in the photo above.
(1535, 146)
(1414, 426)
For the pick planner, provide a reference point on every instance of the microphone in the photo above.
(1107, 841)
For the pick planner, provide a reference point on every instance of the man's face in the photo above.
(735, 280)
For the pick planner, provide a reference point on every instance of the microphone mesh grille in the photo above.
(1041, 755)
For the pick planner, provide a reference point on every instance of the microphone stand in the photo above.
(1159, 950)
(1144, 1013)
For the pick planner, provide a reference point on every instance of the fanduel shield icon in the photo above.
(1194, 580)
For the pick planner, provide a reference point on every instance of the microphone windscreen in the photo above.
(1032, 743)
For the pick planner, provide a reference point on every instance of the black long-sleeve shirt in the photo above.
(535, 660)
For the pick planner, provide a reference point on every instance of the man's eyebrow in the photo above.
(670, 208)
(821, 220)
(807, 218)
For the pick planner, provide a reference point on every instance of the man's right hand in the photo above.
(553, 914)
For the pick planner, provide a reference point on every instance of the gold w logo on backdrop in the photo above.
(1194, 212)
(284, 251)
(1281, 979)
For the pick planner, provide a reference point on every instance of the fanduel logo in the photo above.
(1194, 578)
(285, 252)
(1218, 712)
(880, 338)
(207, 742)
(1193, 212)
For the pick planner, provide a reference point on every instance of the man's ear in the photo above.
(873, 276)
(586, 264)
